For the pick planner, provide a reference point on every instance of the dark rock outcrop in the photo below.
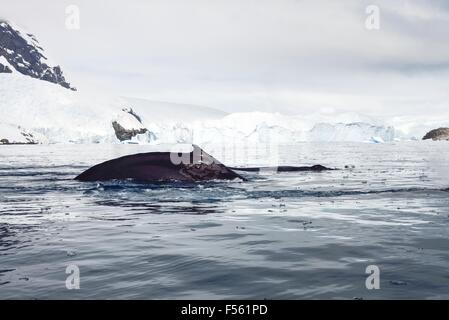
(126, 134)
(29, 137)
(5, 69)
(7, 142)
(437, 134)
(24, 54)
(131, 112)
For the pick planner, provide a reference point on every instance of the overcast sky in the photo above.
(287, 56)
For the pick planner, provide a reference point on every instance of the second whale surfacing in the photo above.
(192, 166)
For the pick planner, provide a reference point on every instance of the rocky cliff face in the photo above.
(21, 52)
(437, 134)
(128, 125)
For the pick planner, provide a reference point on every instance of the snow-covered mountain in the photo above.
(58, 115)
(37, 107)
(21, 52)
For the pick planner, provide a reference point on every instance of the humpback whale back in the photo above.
(196, 165)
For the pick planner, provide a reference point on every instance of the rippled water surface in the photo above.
(276, 236)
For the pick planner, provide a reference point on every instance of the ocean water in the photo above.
(277, 236)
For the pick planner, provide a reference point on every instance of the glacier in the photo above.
(53, 114)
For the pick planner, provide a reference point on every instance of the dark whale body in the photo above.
(166, 166)
(161, 166)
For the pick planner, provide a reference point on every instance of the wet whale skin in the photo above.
(159, 166)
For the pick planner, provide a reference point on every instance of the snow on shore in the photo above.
(53, 114)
